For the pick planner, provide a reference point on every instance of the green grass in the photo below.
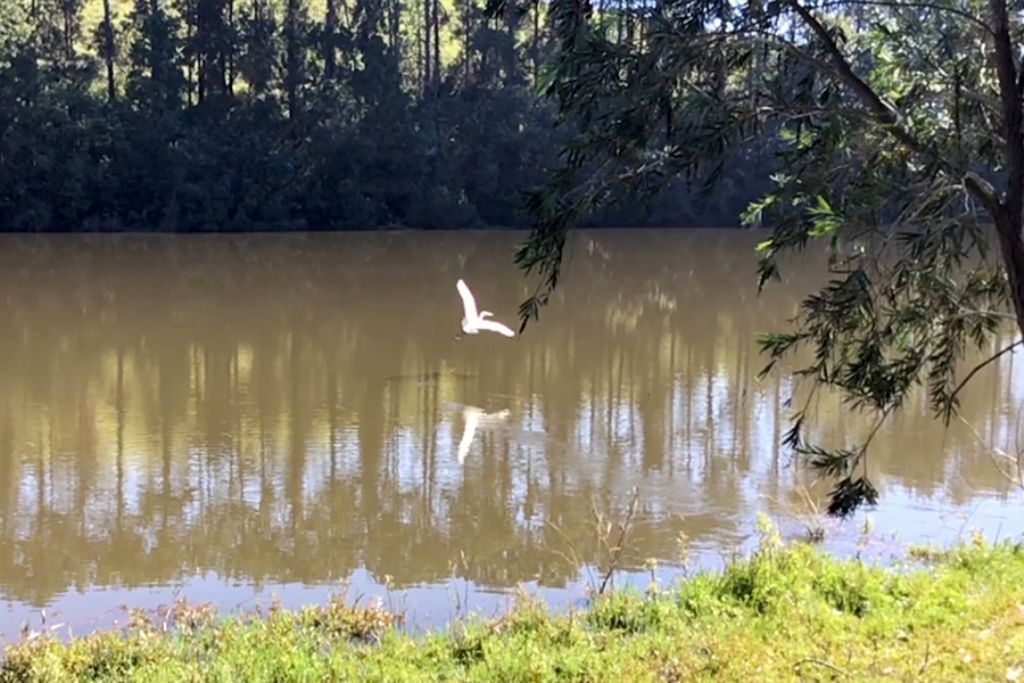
(786, 613)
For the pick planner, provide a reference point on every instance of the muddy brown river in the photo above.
(233, 418)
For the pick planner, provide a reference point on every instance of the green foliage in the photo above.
(782, 611)
(885, 124)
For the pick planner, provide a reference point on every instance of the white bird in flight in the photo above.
(473, 322)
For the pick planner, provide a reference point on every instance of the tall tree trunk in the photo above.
(467, 29)
(331, 30)
(419, 58)
(229, 44)
(1011, 247)
(484, 51)
(630, 24)
(292, 66)
(108, 50)
(1007, 212)
(263, 74)
(509, 54)
(396, 26)
(69, 39)
(437, 45)
(536, 42)
(621, 23)
(427, 54)
(191, 61)
(212, 35)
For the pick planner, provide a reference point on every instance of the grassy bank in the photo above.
(787, 613)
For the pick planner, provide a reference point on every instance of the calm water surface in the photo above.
(227, 419)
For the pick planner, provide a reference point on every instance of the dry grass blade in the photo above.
(615, 552)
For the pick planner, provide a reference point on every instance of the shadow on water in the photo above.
(236, 414)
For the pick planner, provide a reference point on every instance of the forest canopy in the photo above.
(286, 114)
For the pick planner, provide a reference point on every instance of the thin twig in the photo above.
(878, 425)
(927, 658)
(977, 368)
(821, 662)
(1015, 462)
(616, 553)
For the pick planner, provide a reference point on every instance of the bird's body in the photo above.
(474, 322)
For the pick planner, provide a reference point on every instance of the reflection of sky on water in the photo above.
(273, 423)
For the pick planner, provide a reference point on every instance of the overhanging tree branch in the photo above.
(924, 163)
(956, 11)
(884, 112)
(887, 115)
(984, 191)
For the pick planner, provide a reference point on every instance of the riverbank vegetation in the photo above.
(785, 613)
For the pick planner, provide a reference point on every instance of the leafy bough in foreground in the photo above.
(896, 132)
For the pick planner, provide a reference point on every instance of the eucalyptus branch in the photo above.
(884, 113)
(983, 190)
(980, 23)
(880, 110)
(799, 53)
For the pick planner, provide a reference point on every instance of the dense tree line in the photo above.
(282, 114)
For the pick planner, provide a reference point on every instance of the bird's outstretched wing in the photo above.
(468, 302)
(495, 326)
